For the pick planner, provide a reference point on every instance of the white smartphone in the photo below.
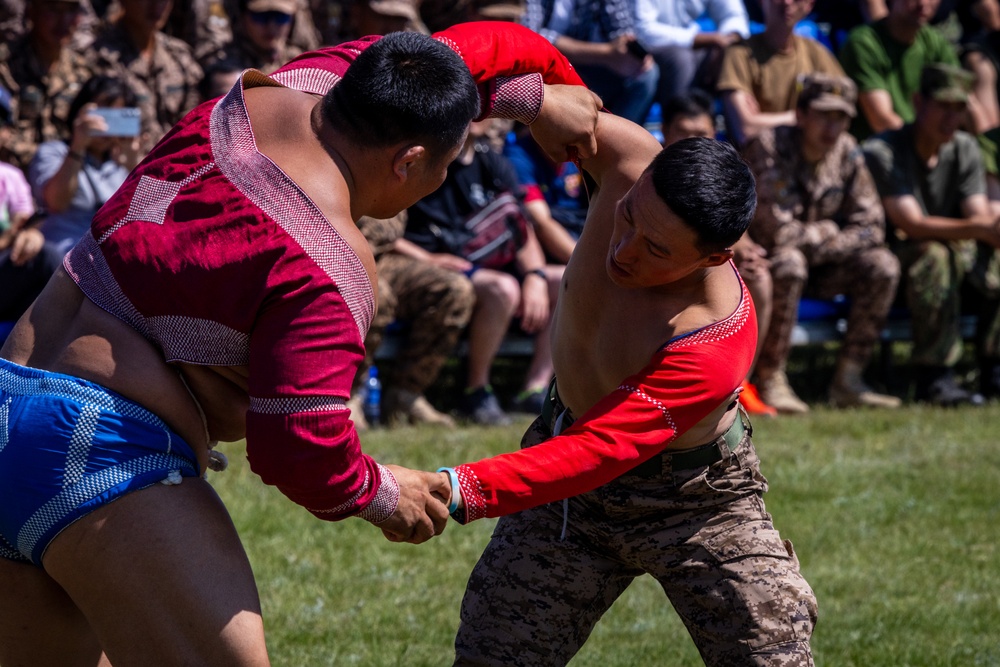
(122, 121)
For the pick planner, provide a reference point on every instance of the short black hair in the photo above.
(404, 87)
(100, 87)
(693, 103)
(709, 186)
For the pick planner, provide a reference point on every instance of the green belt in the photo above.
(704, 455)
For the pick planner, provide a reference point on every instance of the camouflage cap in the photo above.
(503, 10)
(825, 92)
(284, 6)
(946, 83)
(406, 9)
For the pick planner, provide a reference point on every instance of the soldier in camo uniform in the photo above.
(932, 181)
(821, 222)
(260, 39)
(43, 75)
(435, 303)
(160, 69)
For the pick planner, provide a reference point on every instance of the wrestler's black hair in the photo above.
(405, 87)
(709, 186)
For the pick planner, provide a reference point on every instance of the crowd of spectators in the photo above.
(871, 126)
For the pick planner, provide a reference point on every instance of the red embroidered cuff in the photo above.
(518, 97)
(472, 495)
(386, 498)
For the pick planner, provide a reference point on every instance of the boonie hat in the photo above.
(946, 83)
(501, 10)
(825, 92)
(400, 8)
(284, 6)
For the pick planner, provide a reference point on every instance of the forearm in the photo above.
(58, 191)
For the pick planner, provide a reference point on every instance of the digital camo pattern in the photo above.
(935, 273)
(704, 534)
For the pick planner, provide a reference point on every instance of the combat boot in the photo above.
(776, 392)
(849, 390)
(937, 385)
(407, 407)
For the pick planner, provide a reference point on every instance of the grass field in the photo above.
(895, 516)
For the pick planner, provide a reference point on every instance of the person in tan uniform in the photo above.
(758, 81)
(160, 69)
(821, 222)
(43, 75)
(435, 302)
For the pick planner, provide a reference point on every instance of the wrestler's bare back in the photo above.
(65, 332)
(603, 332)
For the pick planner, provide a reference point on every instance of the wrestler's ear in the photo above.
(406, 158)
(717, 258)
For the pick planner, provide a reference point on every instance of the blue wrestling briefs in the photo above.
(69, 446)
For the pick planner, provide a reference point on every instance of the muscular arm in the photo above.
(746, 120)
(905, 213)
(877, 108)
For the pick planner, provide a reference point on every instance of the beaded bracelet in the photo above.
(456, 491)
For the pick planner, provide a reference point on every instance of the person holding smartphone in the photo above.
(72, 180)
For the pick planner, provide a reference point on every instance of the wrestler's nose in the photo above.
(624, 249)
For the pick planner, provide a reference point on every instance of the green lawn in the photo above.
(895, 516)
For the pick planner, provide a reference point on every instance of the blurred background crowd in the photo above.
(870, 125)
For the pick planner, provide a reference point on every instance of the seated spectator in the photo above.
(688, 116)
(818, 216)
(43, 74)
(25, 263)
(478, 193)
(981, 56)
(599, 39)
(260, 39)
(885, 60)
(434, 303)
(930, 176)
(760, 75)
(688, 57)
(73, 180)
(203, 24)
(305, 35)
(160, 69)
(555, 196)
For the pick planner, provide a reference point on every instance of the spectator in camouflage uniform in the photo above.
(304, 36)
(931, 179)
(44, 75)
(160, 69)
(203, 24)
(819, 218)
(260, 41)
(435, 304)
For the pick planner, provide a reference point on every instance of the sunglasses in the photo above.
(277, 18)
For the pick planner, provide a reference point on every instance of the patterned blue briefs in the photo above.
(69, 446)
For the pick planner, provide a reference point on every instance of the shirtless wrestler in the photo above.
(653, 334)
(224, 292)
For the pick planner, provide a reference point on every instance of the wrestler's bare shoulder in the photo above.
(64, 332)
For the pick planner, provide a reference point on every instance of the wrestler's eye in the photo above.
(656, 251)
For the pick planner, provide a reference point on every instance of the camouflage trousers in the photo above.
(537, 593)
(868, 278)
(435, 305)
(936, 274)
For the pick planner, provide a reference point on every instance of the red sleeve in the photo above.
(493, 51)
(682, 384)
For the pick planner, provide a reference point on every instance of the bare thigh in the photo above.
(161, 577)
(39, 624)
